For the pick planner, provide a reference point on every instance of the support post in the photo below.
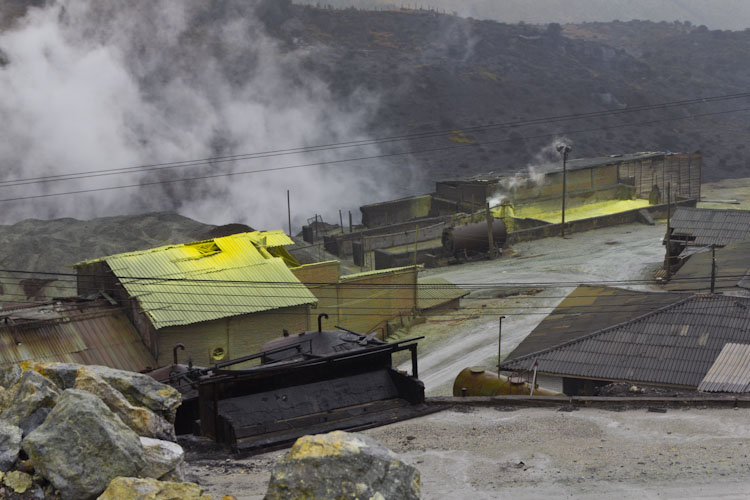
(289, 212)
(499, 341)
(416, 244)
(341, 221)
(350, 221)
(713, 268)
(564, 149)
(490, 239)
(669, 236)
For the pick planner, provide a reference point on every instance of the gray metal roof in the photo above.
(434, 292)
(675, 345)
(732, 271)
(589, 309)
(730, 372)
(705, 226)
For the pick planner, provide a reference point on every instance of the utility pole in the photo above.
(564, 149)
(289, 212)
(341, 221)
(499, 341)
(416, 243)
(350, 221)
(713, 268)
(669, 236)
(490, 239)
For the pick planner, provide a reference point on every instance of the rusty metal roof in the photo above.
(92, 332)
(211, 279)
(732, 271)
(675, 345)
(433, 292)
(588, 309)
(730, 372)
(704, 227)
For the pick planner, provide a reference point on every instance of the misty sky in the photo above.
(716, 14)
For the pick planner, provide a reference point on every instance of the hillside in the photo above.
(436, 72)
(235, 77)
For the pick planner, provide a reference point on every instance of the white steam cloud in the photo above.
(91, 86)
(547, 159)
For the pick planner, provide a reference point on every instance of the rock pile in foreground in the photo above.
(71, 431)
(342, 465)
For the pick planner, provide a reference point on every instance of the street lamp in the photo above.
(564, 149)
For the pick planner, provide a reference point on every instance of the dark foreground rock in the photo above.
(343, 466)
(82, 446)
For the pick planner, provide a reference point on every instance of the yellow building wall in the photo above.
(237, 336)
(361, 304)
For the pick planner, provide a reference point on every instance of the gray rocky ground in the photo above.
(541, 453)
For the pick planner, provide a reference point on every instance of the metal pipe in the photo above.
(174, 352)
(564, 149)
(320, 321)
(414, 368)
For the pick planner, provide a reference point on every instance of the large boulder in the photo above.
(10, 445)
(130, 488)
(31, 392)
(82, 446)
(142, 420)
(140, 390)
(342, 465)
(164, 459)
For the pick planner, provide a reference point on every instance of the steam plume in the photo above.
(91, 85)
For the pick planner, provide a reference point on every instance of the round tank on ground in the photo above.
(472, 238)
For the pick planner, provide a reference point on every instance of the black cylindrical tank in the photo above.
(472, 238)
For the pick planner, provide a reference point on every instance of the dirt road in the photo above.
(616, 255)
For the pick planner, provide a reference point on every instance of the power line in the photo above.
(377, 141)
(346, 160)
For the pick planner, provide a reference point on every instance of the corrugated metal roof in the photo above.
(675, 345)
(212, 279)
(732, 265)
(730, 372)
(391, 270)
(703, 226)
(93, 333)
(589, 309)
(433, 292)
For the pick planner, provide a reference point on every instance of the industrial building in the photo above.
(599, 192)
(225, 297)
(674, 346)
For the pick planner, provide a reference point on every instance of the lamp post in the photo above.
(564, 149)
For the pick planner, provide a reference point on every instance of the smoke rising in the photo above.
(91, 85)
(547, 159)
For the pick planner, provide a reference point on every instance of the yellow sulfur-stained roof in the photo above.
(206, 280)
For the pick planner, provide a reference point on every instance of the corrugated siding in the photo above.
(675, 345)
(433, 292)
(192, 283)
(730, 372)
(92, 333)
(711, 227)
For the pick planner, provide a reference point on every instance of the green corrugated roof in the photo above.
(211, 279)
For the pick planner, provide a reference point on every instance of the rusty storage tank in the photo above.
(472, 238)
(476, 381)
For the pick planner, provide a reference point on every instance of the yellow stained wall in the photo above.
(360, 304)
(238, 335)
